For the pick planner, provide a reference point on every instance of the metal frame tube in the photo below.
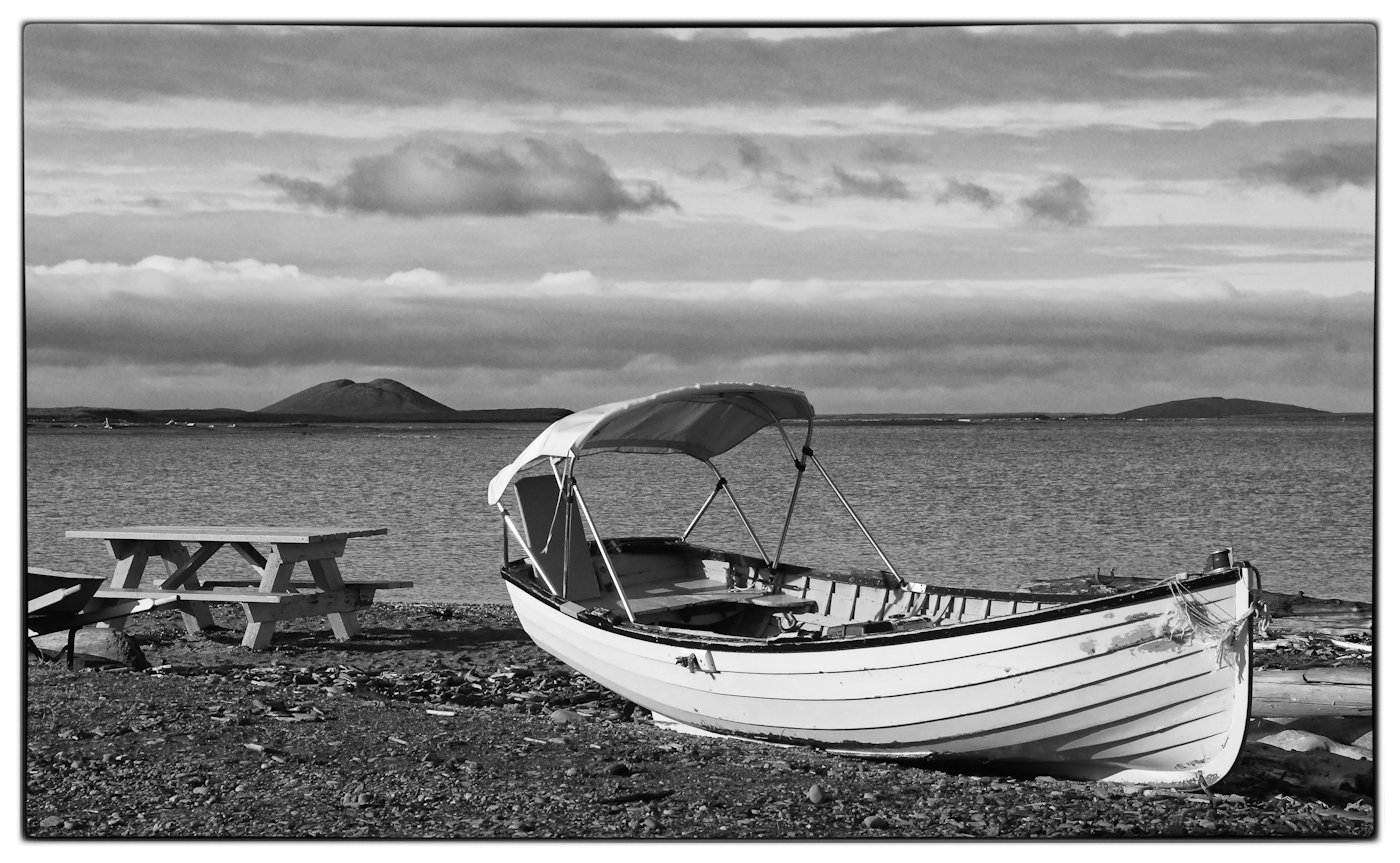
(792, 507)
(860, 524)
(607, 559)
(745, 519)
(801, 464)
(530, 555)
(708, 501)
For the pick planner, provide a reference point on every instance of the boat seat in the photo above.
(547, 524)
(784, 602)
(775, 602)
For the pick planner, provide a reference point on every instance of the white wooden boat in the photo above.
(1148, 686)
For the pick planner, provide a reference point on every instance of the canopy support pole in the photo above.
(801, 464)
(860, 524)
(515, 531)
(711, 499)
(602, 549)
(745, 519)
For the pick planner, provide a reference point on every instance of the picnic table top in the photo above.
(227, 533)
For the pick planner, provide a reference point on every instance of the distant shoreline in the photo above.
(42, 420)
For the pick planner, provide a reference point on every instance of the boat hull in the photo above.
(1118, 688)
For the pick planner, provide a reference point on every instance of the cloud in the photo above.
(767, 172)
(812, 333)
(755, 157)
(766, 167)
(181, 268)
(891, 153)
(417, 277)
(927, 67)
(1063, 201)
(577, 283)
(881, 185)
(965, 191)
(1314, 172)
(432, 178)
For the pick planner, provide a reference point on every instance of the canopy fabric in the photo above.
(701, 421)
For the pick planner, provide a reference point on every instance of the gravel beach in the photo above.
(445, 721)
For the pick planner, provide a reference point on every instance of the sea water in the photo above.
(990, 504)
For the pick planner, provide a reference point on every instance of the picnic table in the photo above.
(268, 597)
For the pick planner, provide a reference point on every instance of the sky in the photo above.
(1053, 217)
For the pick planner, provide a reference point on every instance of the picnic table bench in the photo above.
(271, 596)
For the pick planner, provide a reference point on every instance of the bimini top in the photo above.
(702, 421)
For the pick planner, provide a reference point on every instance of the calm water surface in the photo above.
(983, 504)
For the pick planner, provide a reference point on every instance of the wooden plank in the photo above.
(192, 562)
(1313, 692)
(225, 533)
(276, 578)
(252, 555)
(303, 584)
(306, 605)
(295, 552)
(192, 596)
(131, 565)
(327, 575)
(1331, 623)
(197, 618)
(124, 548)
(1342, 676)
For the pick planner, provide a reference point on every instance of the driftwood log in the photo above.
(1295, 613)
(1312, 692)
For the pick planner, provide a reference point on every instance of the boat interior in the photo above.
(668, 582)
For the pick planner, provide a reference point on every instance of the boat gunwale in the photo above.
(1081, 606)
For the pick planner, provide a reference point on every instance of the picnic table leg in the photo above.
(131, 556)
(327, 575)
(276, 577)
(197, 617)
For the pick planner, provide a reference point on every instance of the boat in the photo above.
(57, 601)
(1148, 686)
(51, 592)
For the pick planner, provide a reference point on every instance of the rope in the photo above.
(1191, 618)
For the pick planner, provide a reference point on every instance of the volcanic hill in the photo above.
(1213, 407)
(345, 398)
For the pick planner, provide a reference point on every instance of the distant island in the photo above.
(388, 401)
(345, 398)
(339, 401)
(1214, 407)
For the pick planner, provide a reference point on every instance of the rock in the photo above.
(1295, 740)
(563, 716)
(618, 768)
(875, 822)
(816, 794)
(94, 644)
